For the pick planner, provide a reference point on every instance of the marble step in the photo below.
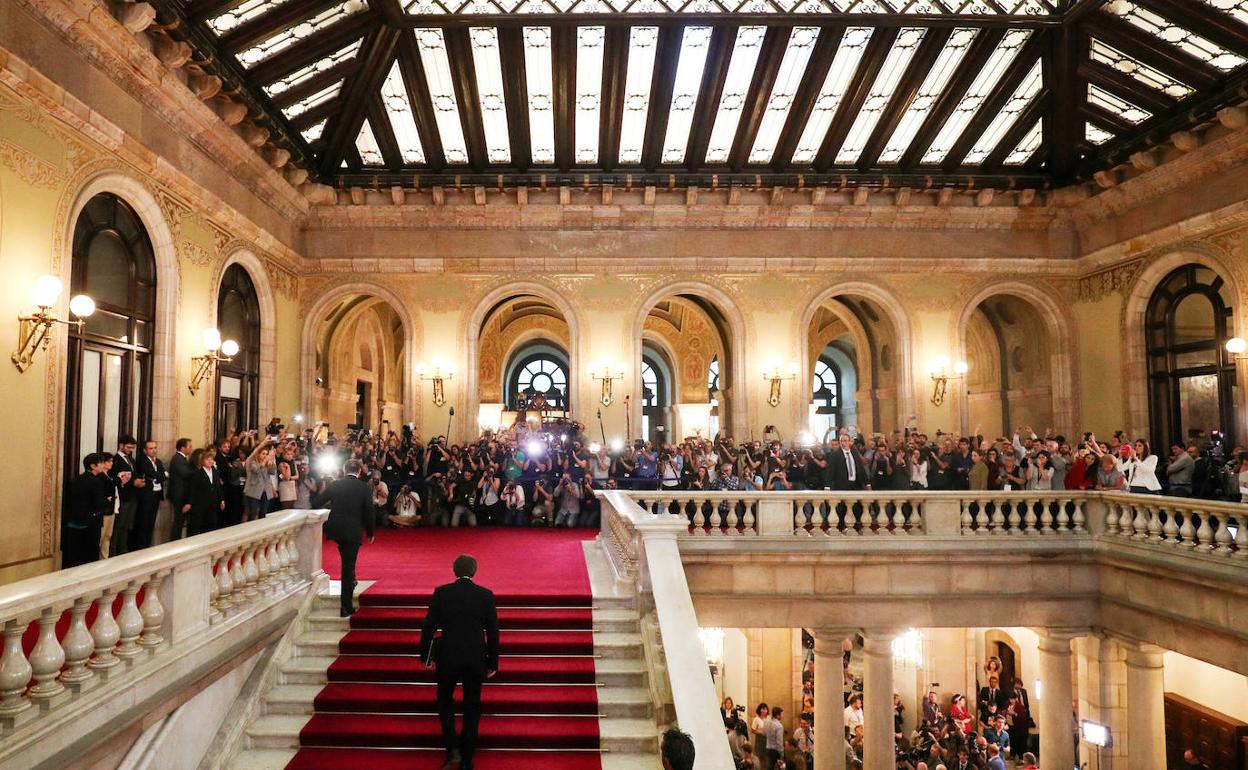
(266, 759)
(618, 645)
(629, 736)
(307, 669)
(276, 731)
(606, 621)
(621, 672)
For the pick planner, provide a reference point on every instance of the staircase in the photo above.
(572, 692)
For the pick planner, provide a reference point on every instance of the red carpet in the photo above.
(540, 711)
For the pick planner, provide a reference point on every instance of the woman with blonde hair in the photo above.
(258, 487)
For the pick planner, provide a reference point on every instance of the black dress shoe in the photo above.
(345, 613)
(452, 763)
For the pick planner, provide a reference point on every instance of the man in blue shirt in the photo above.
(997, 734)
(995, 762)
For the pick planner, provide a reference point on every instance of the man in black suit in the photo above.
(465, 652)
(128, 486)
(205, 497)
(150, 480)
(351, 513)
(179, 487)
(90, 501)
(991, 695)
(846, 469)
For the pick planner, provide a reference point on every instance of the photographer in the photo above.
(568, 494)
(513, 505)
(489, 501)
(406, 508)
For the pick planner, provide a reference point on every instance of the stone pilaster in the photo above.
(877, 701)
(1145, 706)
(829, 699)
(1057, 748)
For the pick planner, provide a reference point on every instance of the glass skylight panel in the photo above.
(432, 46)
(933, 85)
(312, 133)
(693, 49)
(985, 80)
(792, 67)
(745, 52)
(315, 100)
(1236, 8)
(286, 38)
(844, 64)
(303, 74)
(1118, 106)
(366, 145)
(895, 64)
(245, 12)
(1027, 147)
(489, 71)
(1095, 134)
(1005, 119)
(402, 120)
(537, 70)
(642, 43)
(1155, 79)
(1164, 29)
(589, 45)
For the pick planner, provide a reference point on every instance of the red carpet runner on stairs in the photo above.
(378, 711)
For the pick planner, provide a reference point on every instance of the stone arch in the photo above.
(316, 313)
(742, 409)
(268, 321)
(1135, 364)
(478, 316)
(902, 327)
(1062, 352)
(864, 374)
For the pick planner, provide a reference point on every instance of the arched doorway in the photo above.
(1009, 383)
(525, 348)
(852, 348)
(360, 363)
(656, 396)
(238, 381)
(1192, 379)
(109, 375)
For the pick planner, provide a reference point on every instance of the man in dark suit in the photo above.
(179, 486)
(150, 481)
(466, 652)
(128, 485)
(90, 500)
(846, 469)
(991, 695)
(351, 513)
(205, 497)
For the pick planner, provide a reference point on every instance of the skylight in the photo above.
(589, 44)
(792, 67)
(1031, 142)
(366, 145)
(1236, 8)
(745, 51)
(895, 64)
(1155, 79)
(315, 100)
(303, 74)
(1116, 105)
(537, 69)
(432, 47)
(693, 48)
(1166, 30)
(937, 78)
(245, 12)
(933, 7)
(832, 92)
(1006, 117)
(1095, 134)
(312, 133)
(642, 43)
(489, 71)
(985, 80)
(402, 120)
(288, 37)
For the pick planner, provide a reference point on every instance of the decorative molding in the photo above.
(189, 251)
(284, 280)
(1114, 279)
(32, 169)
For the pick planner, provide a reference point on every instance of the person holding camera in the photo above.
(513, 504)
(406, 508)
(568, 494)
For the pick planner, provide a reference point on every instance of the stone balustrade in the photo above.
(1200, 526)
(71, 638)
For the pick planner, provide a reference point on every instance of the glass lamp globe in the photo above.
(212, 339)
(45, 291)
(961, 367)
(421, 369)
(229, 348)
(1236, 345)
(82, 306)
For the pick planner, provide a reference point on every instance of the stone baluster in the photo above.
(239, 577)
(1204, 533)
(105, 633)
(47, 658)
(881, 519)
(996, 525)
(249, 569)
(1014, 521)
(899, 517)
(854, 519)
(1222, 538)
(1079, 519)
(214, 595)
(827, 518)
(720, 518)
(968, 521)
(263, 584)
(799, 521)
(1030, 520)
(1170, 529)
(277, 565)
(294, 557)
(699, 519)
(129, 622)
(1140, 523)
(1187, 530)
(747, 519)
(15, 673)
(225, 585)
(1241, 538)
(288, 561)
(917, 518)
(1111, 518)
(1126, 521)
(78, 646)
(153, 613)
(1154, 524)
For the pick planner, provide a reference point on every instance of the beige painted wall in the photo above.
(1217, 688)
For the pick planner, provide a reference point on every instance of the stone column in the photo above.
(877, 702)
(1146, 713)
(1057, 748)
(829, 700)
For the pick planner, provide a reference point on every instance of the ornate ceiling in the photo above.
(1022, 93)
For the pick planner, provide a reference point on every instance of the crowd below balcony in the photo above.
(546, 476)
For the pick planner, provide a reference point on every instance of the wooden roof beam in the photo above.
(864, 77)
(931, 47)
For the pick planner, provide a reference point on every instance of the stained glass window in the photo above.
(1166, 30)
(1031, 142)
(1155, 79)
(845, 63)
(402, 121)
(312, 133)
(537, 69)
(895, 64)
(489, 70)
(589, 50)
(933, 85)
(1116, 105)
(1005, 118)
(366, 145)
(792, 67)
(693, 49)
(303, 74)
(243, 13)
(642, 42)
(288, 37)
(432, 46)
(745, 49)
(1095, 134)
(315, 100)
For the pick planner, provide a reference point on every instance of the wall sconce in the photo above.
(216, 352)
(775, 375)
(33, 329)
(1238, 348)
(608, 372)
(940, 377)
(440, 374)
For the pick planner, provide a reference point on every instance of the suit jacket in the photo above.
(122, 464)
(351, 510)
(205, 495)
(153, 472)
(179, 481)
(468, 618)
(986, 697)
(838, 472)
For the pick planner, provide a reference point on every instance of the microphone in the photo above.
(448, 423)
